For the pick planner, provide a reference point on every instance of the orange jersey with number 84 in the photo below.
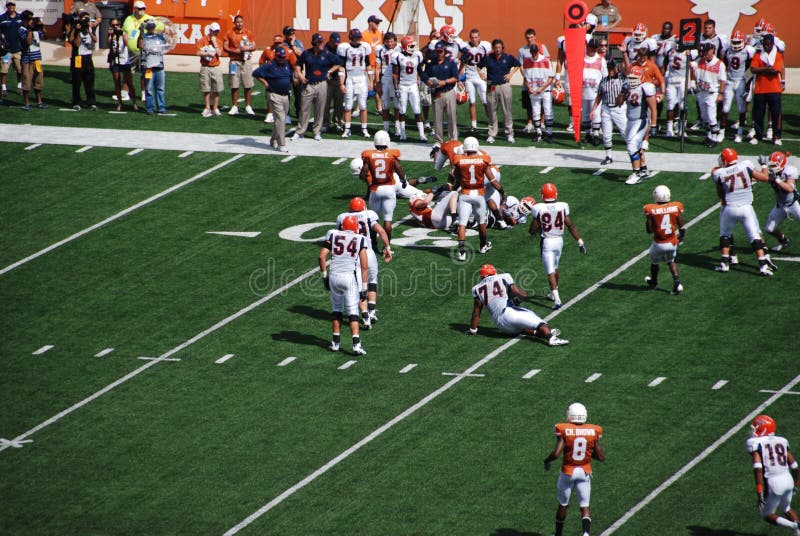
(579, 444)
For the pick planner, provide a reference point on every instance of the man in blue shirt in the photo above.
(319, 63)
(10, 22)
(441, 75)
(276, 77)
(500, 67)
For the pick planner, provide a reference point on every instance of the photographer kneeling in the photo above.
(119, 62)
(81, 65)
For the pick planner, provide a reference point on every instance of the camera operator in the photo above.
(119, 63)
(30, 36)
(83, 41)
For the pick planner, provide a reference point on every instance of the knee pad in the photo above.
(352, 318)
(758, 244)
(635, 156)
(372, 287)
(725, 241)
(337, 315)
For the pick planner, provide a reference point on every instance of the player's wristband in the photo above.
(363, 287)
(794, 465)
(758, 465)
(341, 74)
(324, 274)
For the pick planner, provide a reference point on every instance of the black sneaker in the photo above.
(607, 160)
(652, 283)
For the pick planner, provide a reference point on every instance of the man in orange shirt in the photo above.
(767, 67)
(209, 49)
(240, 43)
(648, 71)
(578, 442)
(373, 36)
(665, 223)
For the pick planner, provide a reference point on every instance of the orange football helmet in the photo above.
(357, 204)
(728, 157)
(762, 425)
(487, 270)
(549, 192)
(558, 94)
(759, 27)
(777, 161)
(640, 32)
(407, 44)
(350, 223)
(448, 33)
(769, 28)
(461, 93)
(737, 40)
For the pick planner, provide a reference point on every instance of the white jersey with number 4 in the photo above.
(736, 182)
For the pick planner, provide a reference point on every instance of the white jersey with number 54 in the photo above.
(552, 218)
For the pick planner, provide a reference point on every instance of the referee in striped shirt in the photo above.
(611, 101)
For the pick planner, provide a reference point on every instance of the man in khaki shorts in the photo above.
(10, 22)
(240, 43)
(208, 48)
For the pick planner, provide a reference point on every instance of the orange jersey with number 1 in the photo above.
(381, 166)
(470, 170)
(580, 441)
(664, 220)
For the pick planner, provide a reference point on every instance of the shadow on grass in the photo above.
(493, 333)
(295, 337)
(311, 312)
(629, 287)
(694, 530)
(513, 532)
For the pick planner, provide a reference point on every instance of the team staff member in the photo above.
(276, 77)
(10, 22)
(240, 43)
(441, 75)
(296, 46)
(767, 67)
(335, 98)
(319, 64)
(500, 67)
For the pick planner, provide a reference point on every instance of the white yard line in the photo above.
(704, 176)
(286, 361)
(593, 377)
(103, 353)
(186, 154)
(347, 364)
(43, 349)
(84, 149)
(653, 173)
(548, 169)
(531, 373)
(463, 374)
(786, 393)
(224, 358)
(32, 147)
(656, 381)
(289, 158)
(135, 152)
(700, 457)
(719, 385)
(408, 368)
(338, 161)
(599, 172)
(435, 394)
(120, 214)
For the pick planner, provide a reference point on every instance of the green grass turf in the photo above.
(193, 447)
(185, 100)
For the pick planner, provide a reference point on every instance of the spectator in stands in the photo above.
(30, 35)
(132, 29)
(335, 98)
(441, 76)
(119, 64)
(276, 77)
(607, 14)
(240, 43)
(83, 41)
(767, 67)
(319, 64)
(153, 46)
(209, 49)
(500, 67)
(10, 22)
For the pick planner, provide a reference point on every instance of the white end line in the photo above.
(432, 396)
(120, 214)
(700, 457)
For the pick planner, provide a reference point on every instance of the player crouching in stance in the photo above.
(348, 251)
(549, 219)
(774, 464)
(783, 180)
(578, 442)
(665, 223)
(734, 182)
(500, 295)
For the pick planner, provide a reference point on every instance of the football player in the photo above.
(368, 226)
(435, 210)
(578, 443)
(385, 54)
(499, 294)
(548, 220)
(737, 59)
(443, 153)
(378, 171)
(470, 171)
(640, 99)
(594, 70)
(676, 64)
(648, 71)
(734, 182)
(538, 76)
(630, 45)
(514, 211)
(348, 251)
(775, 469)
(783, 179)
(664, 220)
(663, 41)
(452, 42)
(405, 73)
(472, 53)
(358, 79)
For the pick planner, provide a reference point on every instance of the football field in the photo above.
(161, 379)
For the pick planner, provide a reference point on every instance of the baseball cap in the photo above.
(288, 30)
(440, 45)
(139, 5)
(214, 27)
(10, 4)
(375, 19)
(591, 19)
(708, 45)
(336, 38)
(355, 33)
(280, 53)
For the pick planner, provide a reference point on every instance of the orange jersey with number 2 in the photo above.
(580, 441)
(381, 166)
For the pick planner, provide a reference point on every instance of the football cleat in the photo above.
(652, 283)
(784, 244)
(723, 267)
(334, 347)
(765, 271)
(461, 256)
(501, 224)
(633, 178)
(528, 128)
(734, 260)
(426, 180)
(366, 324)
(346, 133)
(772, 266)
(373, 316)
(677, 289)
(551, 296)
(359, 350)
(555, 341)
(485, 248)
(365, 133)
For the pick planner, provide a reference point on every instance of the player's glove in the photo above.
(582, 246)
(772, 177)
(396, 93)
(763, 159)
(653, 131)
(546, 464)
(426, 180)
(516, 300)
(681, 236)
(327, 282)
(434, 150)
(403, 182)
(761, 501)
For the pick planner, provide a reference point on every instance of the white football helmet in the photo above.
(661, 194)
(471, 145)
(511, 201)
(576, 413)
(355, 166)
(382, 139)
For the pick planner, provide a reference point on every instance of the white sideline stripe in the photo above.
(347, 364)
(120, 214)
(338, 161)
(135, 152)
(656, 381)
(84, 149)
(289, 158)
(222, 323)
(185, 154)
(408, 368)
(116, 112)
(67, 110)
(224, 358)
(103, 353)
(43, 349)
(700, 457)
(466, 375)
(531, 373)
(547, 170)
(599, 172)
(786, 393)
(432, 396)
(32, 147)
(593, 377)
(286, 361)
(719, 385)
(704, 176)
